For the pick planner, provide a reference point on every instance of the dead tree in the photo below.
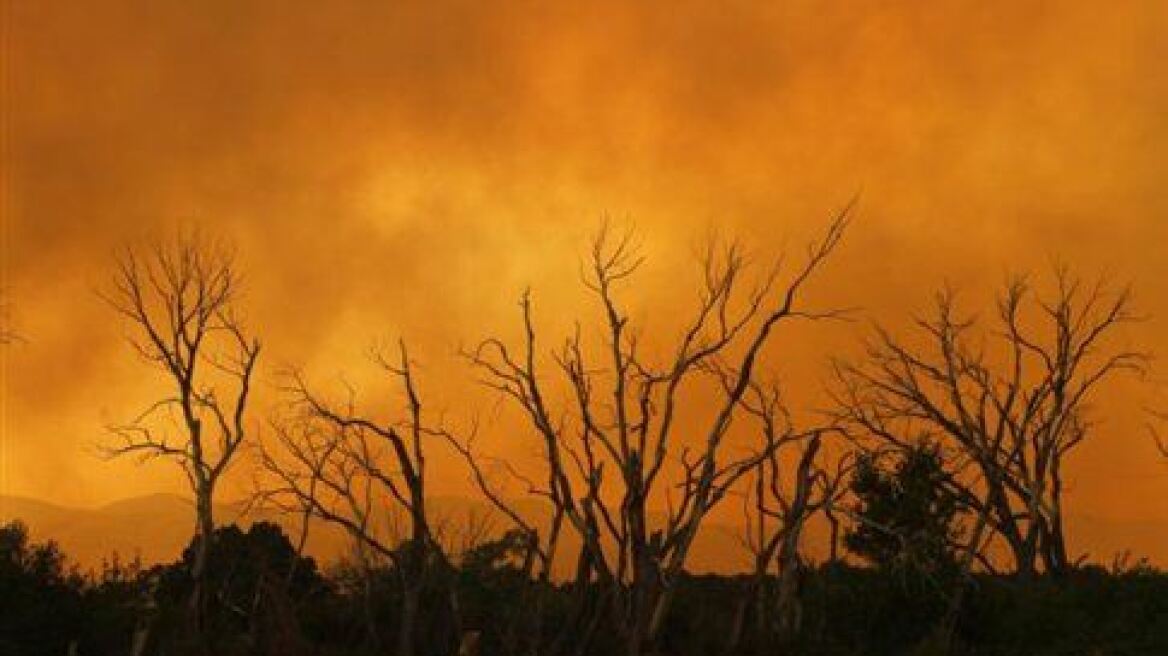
(777, 507)
(1011, 402)
(364, 475)
(604, 453)
(178, 298)
(539, 548)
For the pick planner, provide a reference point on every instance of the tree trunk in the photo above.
(948, 628)
(602, 601)
(738, 624)
(834, 535)
(789, 607)
(372, 636)
(408, 618)
(206, 530)
(660, 611)
(1055, 552)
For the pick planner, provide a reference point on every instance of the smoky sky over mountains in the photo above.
(407, 169)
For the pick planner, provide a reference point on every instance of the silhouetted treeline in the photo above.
(264, 599)
(938, 465)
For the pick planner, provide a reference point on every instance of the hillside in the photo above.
(156, 527)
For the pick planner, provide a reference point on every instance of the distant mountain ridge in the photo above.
(153, 527)
(157, 527)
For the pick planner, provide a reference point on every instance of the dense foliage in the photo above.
(269, 601)
(905, 520)
(40, 599)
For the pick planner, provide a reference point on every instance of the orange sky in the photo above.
(406, 170)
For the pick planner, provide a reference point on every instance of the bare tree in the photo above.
(539, 548)
(1012, 403)
(364, 475)
(604, 453)
(777, 507)
(178, 298)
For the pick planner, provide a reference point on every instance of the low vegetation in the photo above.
(266, 600)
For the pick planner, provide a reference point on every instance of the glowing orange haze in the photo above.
(388, 170)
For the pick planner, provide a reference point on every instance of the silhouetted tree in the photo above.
(120, 608)
(603, 454)
(364, 475)
(906, 520)
(40, 598)
(179, 299)
(498, 594)
(777, 507)
(255, 581)
(1012, 413)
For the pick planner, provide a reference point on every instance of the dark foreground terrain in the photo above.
(268, 601)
